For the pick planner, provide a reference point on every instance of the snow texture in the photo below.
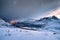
(49, 32)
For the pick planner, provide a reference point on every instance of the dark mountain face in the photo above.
(23, 24)
(48, 18)
(45, 18)
(54, 17)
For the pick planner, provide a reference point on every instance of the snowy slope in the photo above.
(53, 25)
(21, 34)
(50, 31)
(4, 24)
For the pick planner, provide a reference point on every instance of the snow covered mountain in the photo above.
(41, 23)
(47, 23)
(4, 24)
(48, 29)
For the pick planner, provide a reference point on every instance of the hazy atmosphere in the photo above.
(24, 9)
(29, 19)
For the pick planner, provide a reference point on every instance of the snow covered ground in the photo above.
(22, 34)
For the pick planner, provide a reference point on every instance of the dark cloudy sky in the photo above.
(22, 9)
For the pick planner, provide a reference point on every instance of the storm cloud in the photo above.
(22, 9)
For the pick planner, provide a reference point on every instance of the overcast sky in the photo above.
(23, 9)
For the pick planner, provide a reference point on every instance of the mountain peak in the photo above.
(54, 17)
(49, 18)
